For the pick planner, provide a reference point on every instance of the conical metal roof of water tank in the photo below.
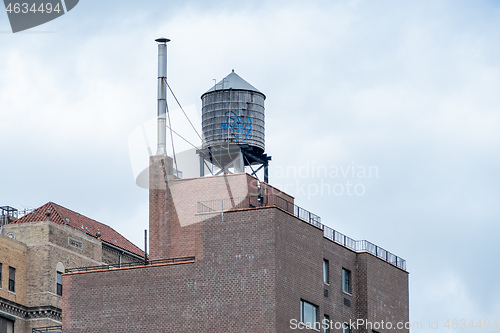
(235, 82)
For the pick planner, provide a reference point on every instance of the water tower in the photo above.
(233, 126)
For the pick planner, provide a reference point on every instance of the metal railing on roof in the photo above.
(224, 205)
(10, 214)
(53, 329)
(7, 215)
(363, 246)
(130, 264)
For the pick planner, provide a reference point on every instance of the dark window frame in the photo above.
(302, 313)
(346, 281)
(326, 323)
(326, 271)
(59, 287)
(5, 323)
(12, 279)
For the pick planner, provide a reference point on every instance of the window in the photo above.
(59, 273)
(0, 275)
(346, 328)
(12, 279)
(308, 313)
(346, 280)
(59, 283)
(326, 271)
(326, 324)
(6, 325)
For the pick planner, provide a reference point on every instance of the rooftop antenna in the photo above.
(162, 95)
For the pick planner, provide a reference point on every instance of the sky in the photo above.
(382, 117)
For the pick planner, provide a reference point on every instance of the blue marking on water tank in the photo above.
(240, 126)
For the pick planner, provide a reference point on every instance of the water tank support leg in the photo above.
(202, 166)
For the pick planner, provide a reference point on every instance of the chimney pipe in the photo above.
(145, 247)
(162, 95)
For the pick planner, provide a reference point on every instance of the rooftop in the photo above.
(64, 216)
(359, 246)
(148, 263)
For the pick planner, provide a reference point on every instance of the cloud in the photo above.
(411, 88)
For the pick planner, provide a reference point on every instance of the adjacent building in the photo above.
(35, 251)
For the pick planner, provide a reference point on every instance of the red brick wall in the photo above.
(175, 224)
(185, 224)
(267, 189)
(301, 249)
(382, 293)
(257, 265)
(158, 166)
(230, 290)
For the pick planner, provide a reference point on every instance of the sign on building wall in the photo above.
(75, 243)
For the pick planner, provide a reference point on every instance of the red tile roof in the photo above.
(64, 216)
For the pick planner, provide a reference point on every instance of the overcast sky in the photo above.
(407, 89)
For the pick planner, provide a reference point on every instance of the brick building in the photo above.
(239, 262)
(229, 253)
(36, 249)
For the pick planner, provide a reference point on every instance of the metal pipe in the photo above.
(145, 247)
(162, 95)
